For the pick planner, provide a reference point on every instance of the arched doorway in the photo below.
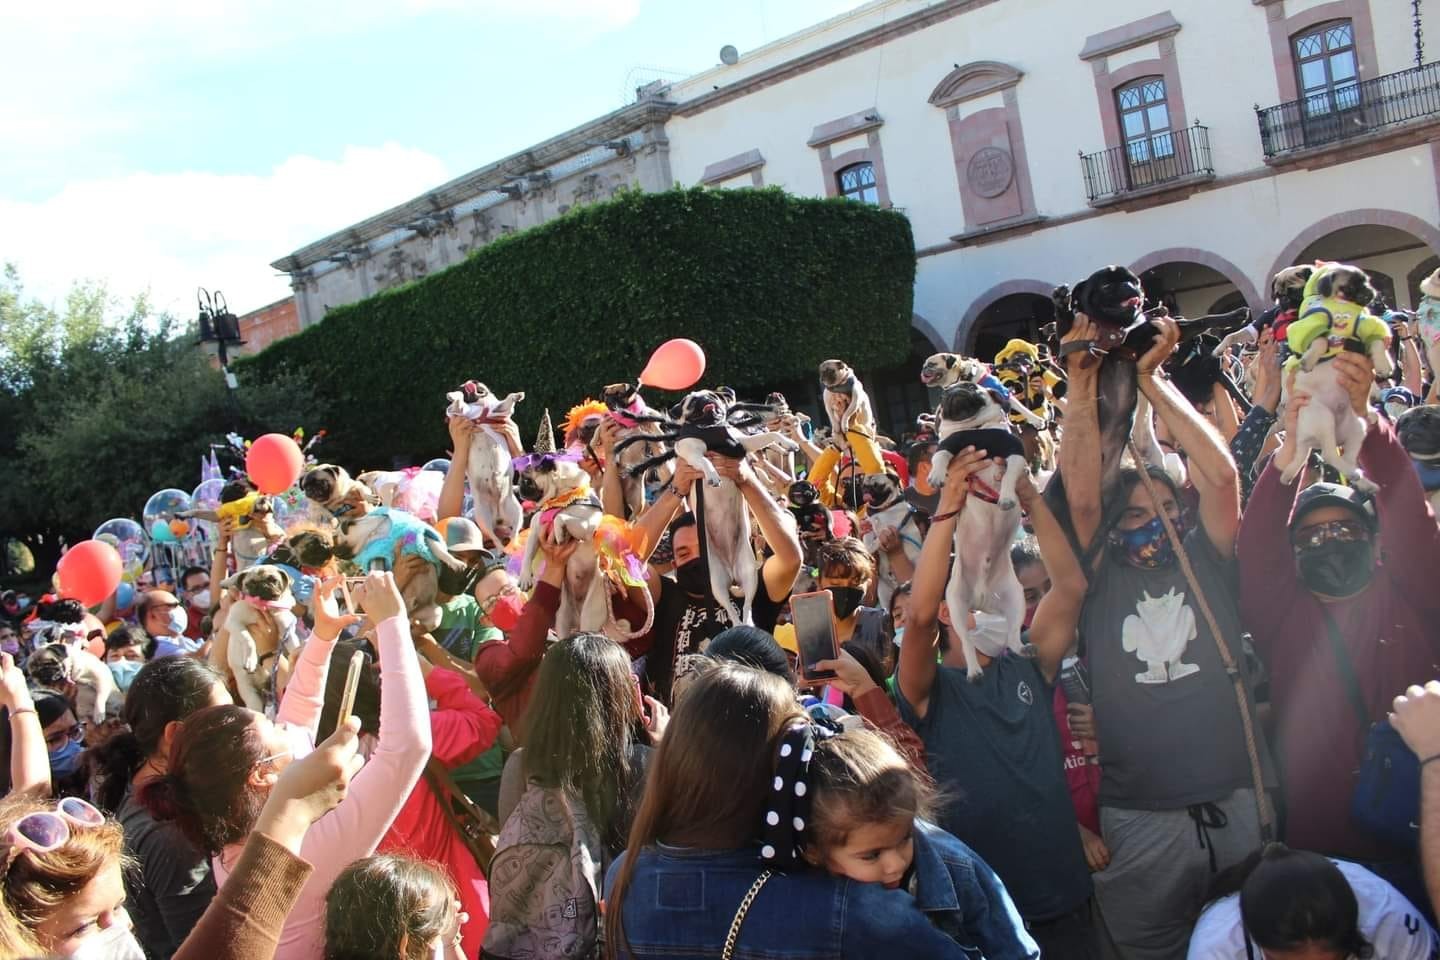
(1385, 243)
(1189, 289)
(1015, 315)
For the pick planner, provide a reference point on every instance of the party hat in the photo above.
(545, 439)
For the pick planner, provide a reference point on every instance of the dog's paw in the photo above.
(788, 445)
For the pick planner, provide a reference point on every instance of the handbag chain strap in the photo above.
(739, 920)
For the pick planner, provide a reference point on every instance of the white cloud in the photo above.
(171, 233)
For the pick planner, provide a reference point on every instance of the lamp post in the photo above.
(220, 327)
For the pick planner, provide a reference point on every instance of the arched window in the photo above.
(857, 182)
(1326, 68)
(1145, 120)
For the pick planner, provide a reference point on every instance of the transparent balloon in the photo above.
(206, 497)
(290, 508)
(164, 506)
(128, 538)
(439, 464)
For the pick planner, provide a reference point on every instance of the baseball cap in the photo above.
(462, 534)
(1331, 495)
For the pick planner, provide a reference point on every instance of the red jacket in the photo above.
(461, 727)
(1389, 630)
(508, 666)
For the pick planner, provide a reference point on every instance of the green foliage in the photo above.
(768, 284)
(97, 412)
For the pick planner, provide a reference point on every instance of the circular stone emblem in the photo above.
(990, 171)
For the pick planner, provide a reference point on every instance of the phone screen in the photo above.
(813, 614)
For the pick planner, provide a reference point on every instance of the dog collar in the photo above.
(984, 491)
(563, 500)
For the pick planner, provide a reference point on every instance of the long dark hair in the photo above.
(578, 731)
(164, 691)
(1289, 898)
(708, 781)
(378, 902)
(206, 788)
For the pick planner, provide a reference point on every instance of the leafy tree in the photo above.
(103, 404)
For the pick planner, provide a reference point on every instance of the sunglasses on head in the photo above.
(1344, 531)
(46, 830)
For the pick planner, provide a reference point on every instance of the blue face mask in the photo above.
(1429, 472)
(1146, 547)
(124, 673)
(66, 760)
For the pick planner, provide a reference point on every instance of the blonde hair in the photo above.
(37, 884)
(857, 778)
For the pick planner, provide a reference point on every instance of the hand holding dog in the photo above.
(1267, 373)
(684, 478)
(1164, 345)
(606, 436)
(379, 597)
(962, 467)
(1417, 718)
(1356, 376)
(737, 472)
(461, 430)
(1083, 330)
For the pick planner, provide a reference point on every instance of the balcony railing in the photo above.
(1354, 110)
(1149, 162)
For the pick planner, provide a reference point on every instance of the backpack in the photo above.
(545, 880)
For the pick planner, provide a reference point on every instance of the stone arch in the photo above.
(964, 335)
(974, 80)
(928, 330)
(1356, 218)
(1206, 259)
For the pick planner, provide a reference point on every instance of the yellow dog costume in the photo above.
(1337, 320)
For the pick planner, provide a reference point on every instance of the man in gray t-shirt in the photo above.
(1177, 800)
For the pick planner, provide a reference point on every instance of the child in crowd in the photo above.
(867, 822)
(390, 906)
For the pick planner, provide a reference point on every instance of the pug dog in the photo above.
(257, 628)
(624, 402)
(334, 492)
(1334, 318)
(70, 668)
(1287, 290)
(982, 577)
(584, 594)
(488, 464)
(846, 402)
(886, 508)
(385, 536)
(942, 370)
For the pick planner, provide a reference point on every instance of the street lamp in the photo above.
(220, 327)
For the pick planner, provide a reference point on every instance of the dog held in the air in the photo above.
(265, 599)
(982, 578)
(942, 370)
(625, 403)
(488, 461)
(1333, 318)
(331, 489)
(846, 402)
(572, 515)
(706, 424)
(390, 535)
(887, 508)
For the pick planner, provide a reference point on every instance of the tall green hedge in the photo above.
(767, 283)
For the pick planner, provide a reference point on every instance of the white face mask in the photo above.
(115, 942)
(178, 621)
(200, 599)
(991, 633)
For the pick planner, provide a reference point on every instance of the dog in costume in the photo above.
(387, 536)
(1427, 321)
(1333, 318)
(1018, 367)
(852, 429)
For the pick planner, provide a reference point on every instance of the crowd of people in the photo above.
(1215, 740)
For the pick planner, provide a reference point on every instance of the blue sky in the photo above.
(162, 144)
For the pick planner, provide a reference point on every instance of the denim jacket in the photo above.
(681, 903)
(965, 899)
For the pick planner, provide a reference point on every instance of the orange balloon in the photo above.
(675, 365)
(274, 462)
(179, 527)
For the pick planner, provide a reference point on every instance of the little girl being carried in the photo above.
(849, 804)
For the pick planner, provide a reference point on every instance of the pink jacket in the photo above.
(354, 828)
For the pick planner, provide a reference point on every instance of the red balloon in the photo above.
(675, 365)
(90, 572)
(274, 463)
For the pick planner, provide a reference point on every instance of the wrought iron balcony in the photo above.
(1394, 100)
(1147, 164)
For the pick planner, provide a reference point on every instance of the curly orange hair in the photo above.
(578, 415)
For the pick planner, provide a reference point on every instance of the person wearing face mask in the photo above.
(195, 592)
(64, 742)
(1177, 797)
(125, 654)
(1332, 584)
(9, 638)
(846, 572)
(1419, 432)
(165, 620)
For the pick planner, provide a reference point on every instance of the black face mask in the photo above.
(1337, 568)
(847, 600)
(694, 577)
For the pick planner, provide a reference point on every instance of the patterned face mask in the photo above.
(1146, 547)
